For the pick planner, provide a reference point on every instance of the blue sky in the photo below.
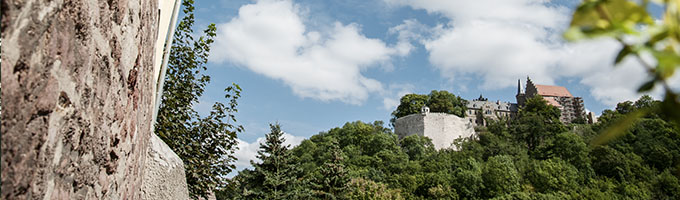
(314, 65)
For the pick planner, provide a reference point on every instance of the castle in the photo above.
(480, 109)
(571, 108)
(444, 128)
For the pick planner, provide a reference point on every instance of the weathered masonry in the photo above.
(78, 91)
(442, 128)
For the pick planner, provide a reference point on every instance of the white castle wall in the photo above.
(442, 128)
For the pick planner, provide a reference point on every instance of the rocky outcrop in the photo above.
(163, 173)
(76, 97)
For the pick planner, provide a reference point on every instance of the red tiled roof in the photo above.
(556, 91)
(552, 101)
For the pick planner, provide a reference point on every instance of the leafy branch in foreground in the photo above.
(621, 19)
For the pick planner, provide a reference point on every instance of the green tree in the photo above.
(468, 180)
(612, 163)
(410, 104)
(442, 192)
(553, 175)
(500, 176)
(645, 101)
(334, 178)
(366, 189)
(438, 101)
(277, 176)
(666, 186)
(417, 147)
(537, 123)
(570, 148)
(205, 144)
(444, 101)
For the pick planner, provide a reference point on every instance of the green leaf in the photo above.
(656, 37)
(667, 60)
(649, 85)
(607, 18)
(622, 54)
(574, 34)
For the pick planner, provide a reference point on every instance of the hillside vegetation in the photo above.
(532, 157)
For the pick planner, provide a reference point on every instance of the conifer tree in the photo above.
(334, 179)
(276, 177)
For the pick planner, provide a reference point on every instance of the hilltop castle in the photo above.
(571, 108)
(444, 128)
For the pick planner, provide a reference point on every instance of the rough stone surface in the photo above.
(163, 173)
(76, 97)
(442, 128)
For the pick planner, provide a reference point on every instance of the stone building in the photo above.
(480, 109)
(571, 107)
(442, 128)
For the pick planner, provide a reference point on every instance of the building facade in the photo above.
(571, 108)
(480, 109)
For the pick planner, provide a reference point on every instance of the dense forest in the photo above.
(533, 156)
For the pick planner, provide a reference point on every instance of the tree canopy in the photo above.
(438, 101)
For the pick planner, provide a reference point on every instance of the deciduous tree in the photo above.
(438, 101)
(205, 144)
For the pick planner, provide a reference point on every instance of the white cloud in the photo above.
(248, 151)
(503, 40)
(270, 38)
(396, 91)
(406, 32)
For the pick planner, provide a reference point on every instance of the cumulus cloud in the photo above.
(269, 37)
(410, 30)
(396, 91)
(248, 151)
(503, 40)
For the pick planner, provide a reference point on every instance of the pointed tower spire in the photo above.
(519, 86)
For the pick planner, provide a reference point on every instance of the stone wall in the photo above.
(410, 125)
(163, 173)
(442, 128)
(77, 97)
